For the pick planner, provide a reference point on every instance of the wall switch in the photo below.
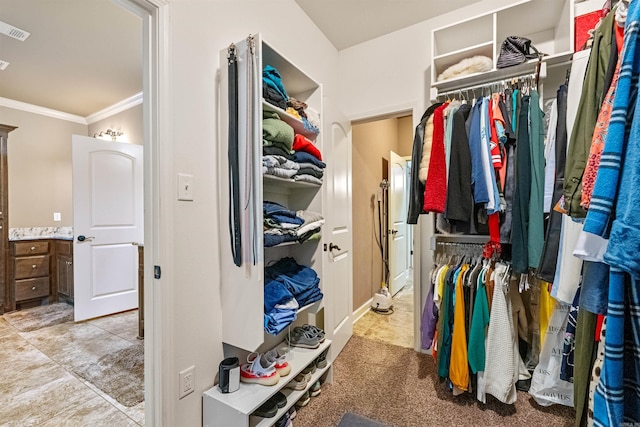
(187, 381)
(57, 216)
(185, 187)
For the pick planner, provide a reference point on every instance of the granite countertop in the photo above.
(35, 233)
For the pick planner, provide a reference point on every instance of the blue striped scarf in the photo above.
(617, 396)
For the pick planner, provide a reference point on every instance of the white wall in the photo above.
(378, 76)
(391, 73)
(198, 30)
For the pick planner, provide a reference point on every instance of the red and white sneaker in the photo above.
(259, 370)
(280, 360)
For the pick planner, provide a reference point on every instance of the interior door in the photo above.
(397, 211)
(338, 270)
(108, 224)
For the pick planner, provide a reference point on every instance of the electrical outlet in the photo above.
(187, 381)
(57, 216)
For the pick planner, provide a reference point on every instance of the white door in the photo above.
(107, 224)
(397, 233)
(337, 232)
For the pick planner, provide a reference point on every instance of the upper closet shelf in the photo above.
(496, 74)
(442, 62)
(294, 122)
(551, 32)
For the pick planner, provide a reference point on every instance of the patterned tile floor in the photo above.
(396, 328)
(38, 389)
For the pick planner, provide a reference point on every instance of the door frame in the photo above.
(156, 128)
(415, 109)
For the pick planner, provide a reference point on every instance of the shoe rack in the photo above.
(236, 409)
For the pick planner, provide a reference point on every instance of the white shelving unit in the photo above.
(242, 290)
(236, 409)
(551, 32)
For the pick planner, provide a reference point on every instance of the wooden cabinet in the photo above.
(4, 218)
(64, 270)
(30, 273)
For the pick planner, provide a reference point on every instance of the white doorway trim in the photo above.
(414, 108)
(156, 113)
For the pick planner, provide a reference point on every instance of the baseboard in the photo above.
(362, 310)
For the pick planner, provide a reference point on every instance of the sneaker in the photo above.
(311, 368)
(298, 383)
(283, 421)
(304, 400)
(303, 339)
(280, 360)
(259, 370)
(267, 410)
(315, 389)
(292, 412)
(313, 330)
(279, 399)
(321, 361)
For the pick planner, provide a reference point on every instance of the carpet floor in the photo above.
(399, 387)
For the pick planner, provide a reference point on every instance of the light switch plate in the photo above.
(185, 187)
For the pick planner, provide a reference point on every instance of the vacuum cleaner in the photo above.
(382, 301)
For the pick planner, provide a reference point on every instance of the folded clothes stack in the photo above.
(282, 225)
(285, 281)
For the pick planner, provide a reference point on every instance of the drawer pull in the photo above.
(33, 266)
(33, 288)
(33, 248)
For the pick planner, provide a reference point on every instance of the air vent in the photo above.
(3, 65)
(11, 31)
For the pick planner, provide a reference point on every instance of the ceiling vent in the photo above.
(13, 32)
(3, 65)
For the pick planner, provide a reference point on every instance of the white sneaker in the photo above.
(259, 370)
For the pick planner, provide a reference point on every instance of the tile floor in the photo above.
(396, 328)
(37, 386)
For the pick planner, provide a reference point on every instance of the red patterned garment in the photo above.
(597, 143)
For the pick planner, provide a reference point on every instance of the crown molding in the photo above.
(30, 108)
(115, 109)
(90, 119)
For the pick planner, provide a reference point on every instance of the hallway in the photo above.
(395, 328)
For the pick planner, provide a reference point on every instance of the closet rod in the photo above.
(500, 82)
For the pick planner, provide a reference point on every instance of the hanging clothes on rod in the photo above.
(466, 149)
(467, 289)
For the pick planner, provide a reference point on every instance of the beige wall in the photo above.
(39, 156)
(405, 136)
(372, 141)
(129, 122)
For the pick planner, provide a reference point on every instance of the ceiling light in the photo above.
(3, 65)
(11, 31)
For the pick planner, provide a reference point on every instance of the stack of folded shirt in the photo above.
(285, 281)
(279, 224)
(277, 146)
(309, 158)
(282, 225)
(273, 90)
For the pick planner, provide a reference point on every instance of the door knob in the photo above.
(82, 238)
(332, 247)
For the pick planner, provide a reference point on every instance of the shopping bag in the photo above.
(546, 386)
